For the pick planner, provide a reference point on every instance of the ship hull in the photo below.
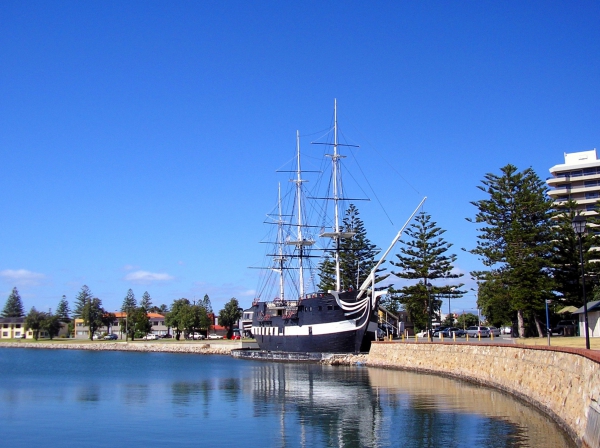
(317, 324)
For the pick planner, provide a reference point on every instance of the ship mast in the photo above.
(280, 258)
(300, 241)
(337, 234)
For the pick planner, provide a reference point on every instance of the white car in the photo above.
(214, 336)
(151, 337)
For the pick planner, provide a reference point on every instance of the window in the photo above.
(590, 183)
(592, 195)
(589, 171)
(576, 173)
(18, 325)
(5, 334)
(5, 325)
(590, 207)
(329, 307)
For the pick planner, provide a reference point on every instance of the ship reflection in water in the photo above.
(338, 406)
(153, 399)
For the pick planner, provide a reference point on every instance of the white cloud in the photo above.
(22, 277)
(147, 277)
(129, 267)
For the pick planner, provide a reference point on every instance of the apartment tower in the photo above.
(577, 179)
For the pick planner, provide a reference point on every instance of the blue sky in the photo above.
(139, 140)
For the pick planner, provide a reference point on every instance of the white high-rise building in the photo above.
(577, 179)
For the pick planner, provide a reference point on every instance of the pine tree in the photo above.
(566, 265)
(129, 302)
(146, 301)
(206, 304)
(423, 258)
(83, 297)
(515, 241)
(62, 310)
(14, 305)
(357, 256)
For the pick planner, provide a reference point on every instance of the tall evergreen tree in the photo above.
(14, 305)
(129, 302)
(424, 258)
(515, 242)
(357, 256)
(62, 310)
(83, 297)
(566, 264)
(206, 304)
(146, 301)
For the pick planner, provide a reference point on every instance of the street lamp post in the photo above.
(428, 286)
(579, 228)
(548, 321)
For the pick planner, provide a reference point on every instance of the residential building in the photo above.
(14, 328)
(156, 320)
(577, 179)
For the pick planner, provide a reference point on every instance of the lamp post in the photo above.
(579, 228)
(548, 321)
(428, 286)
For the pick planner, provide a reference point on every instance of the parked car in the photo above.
(151, 337)
(449, 332)
(476, 331)
(97, 337)
(111, 336)
(495, 331)
(437, 331)
(198, 336)
(461, 333)
(167, 336)
(214, 336)
(507, 330)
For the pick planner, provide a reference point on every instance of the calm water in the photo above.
(107, 399)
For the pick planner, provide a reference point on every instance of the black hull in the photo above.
(318, 326)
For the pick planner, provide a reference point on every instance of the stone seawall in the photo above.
(199, 348)
(563, 383)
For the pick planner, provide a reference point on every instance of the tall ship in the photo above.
(298, 317)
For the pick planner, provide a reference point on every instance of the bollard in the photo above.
(467, 337)
(454, 335)
(441, 336)
(479, 336)
(402, 337)
(491, 336)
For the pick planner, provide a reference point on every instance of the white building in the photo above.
(577, 179)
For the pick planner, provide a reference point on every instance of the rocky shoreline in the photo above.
(202, 348)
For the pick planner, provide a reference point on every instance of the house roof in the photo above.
(122, 315)
(12, 320)
(591, 306)
(567, 309)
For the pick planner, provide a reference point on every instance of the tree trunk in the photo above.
(538, 326)
(521, 323)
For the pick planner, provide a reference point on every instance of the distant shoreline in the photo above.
(201, 348)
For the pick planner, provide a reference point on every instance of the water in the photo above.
(106, 399)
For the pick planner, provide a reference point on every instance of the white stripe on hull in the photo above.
(304, 330)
